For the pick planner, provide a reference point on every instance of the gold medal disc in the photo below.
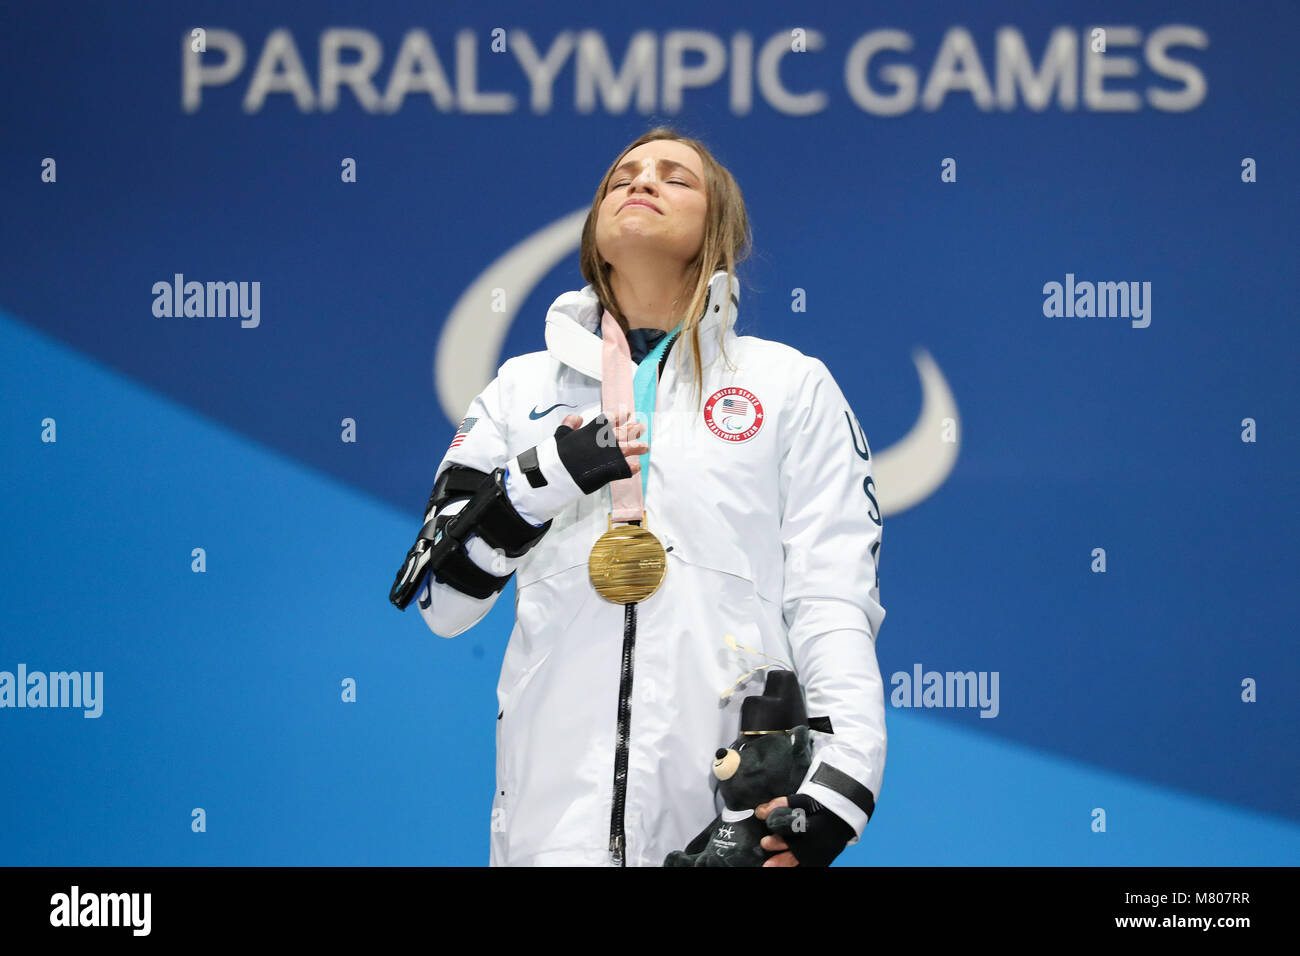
(627, 564)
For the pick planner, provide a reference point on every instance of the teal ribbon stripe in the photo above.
(644, 385)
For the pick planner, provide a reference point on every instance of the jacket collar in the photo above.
(573, 325)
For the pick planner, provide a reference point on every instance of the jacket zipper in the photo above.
(617, 832)
(617, 836)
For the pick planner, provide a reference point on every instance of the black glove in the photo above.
(552, 475)
(814, 834)
(591, 454)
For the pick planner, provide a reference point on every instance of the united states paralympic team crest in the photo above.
(733, 414)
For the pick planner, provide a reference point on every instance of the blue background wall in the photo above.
(222, 690)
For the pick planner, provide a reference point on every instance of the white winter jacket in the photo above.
(764, 502)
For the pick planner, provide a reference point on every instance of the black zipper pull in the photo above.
(616, 849)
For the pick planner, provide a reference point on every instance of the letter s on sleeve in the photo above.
(830, 517)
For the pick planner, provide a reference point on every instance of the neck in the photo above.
(651, 294)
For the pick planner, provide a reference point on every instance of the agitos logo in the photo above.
(885, 72)
(733, 414)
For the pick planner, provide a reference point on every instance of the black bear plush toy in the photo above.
(769, 759)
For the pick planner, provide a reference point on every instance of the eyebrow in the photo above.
(670, 163)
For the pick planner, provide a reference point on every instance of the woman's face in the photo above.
(654, 205)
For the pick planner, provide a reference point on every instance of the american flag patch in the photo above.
(462, 431)
(737, 406)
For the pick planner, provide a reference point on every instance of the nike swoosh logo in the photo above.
(535, 414)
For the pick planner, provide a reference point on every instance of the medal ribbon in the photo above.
(626, 386)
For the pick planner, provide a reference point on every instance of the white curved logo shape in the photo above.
(468, 350)
(913, 468)
(470, 345)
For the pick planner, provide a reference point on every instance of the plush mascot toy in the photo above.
(769, 759)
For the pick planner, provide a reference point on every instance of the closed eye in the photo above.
(624, 182)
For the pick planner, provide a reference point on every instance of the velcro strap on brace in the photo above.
(490, 515)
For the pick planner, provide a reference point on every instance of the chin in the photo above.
(633, 241)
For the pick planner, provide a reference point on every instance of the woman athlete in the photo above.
(683, 509)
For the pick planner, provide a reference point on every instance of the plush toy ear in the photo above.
(799, 737)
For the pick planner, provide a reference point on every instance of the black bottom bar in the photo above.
(333, 905)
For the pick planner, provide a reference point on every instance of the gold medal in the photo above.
(627, 563)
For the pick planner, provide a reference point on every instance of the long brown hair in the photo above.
(727, 242)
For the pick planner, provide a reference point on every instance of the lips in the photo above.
(638, 202)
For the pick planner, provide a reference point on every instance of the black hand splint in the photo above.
(440, 548)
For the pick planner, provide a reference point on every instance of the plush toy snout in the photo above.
(725, 763)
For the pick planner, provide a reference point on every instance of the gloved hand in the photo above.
(546, 479)
(540, 483)
(812, 834)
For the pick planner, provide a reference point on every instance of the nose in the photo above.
(644, 180)
(722, 752)
(726, 764)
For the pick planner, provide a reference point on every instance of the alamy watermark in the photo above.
(75, 908)
(218, 300)
(946, 689)
(1102, 300)
(83, 689)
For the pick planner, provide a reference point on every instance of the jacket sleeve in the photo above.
(831, 533)
(483, 445)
